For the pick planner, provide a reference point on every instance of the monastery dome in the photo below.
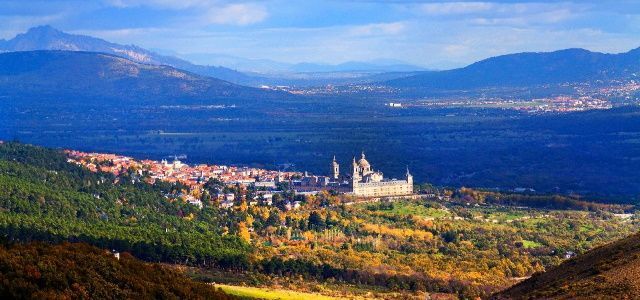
(363, 163)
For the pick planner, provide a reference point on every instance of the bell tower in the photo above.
(355, 176)
(335, 168)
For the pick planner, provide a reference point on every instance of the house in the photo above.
(265, 184)
(194, 201)
(294, 205)
(229, 197)
(569, 254)
(226, 204)
(267, 197)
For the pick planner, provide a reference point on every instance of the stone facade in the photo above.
(368, 183)
(363, 181)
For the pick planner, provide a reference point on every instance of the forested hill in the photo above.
(528, 69)
(90, 76)
(80, 271)
(607, 272)
(42, 197)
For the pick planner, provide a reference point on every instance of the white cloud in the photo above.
(378, 29)
(236, 14)
(451, 8)
(122, 35)
(534, 18)
(167, 4)
(205, 11)
(437, 33)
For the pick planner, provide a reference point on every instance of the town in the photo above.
(250, 186)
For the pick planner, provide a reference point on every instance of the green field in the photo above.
(405, 208)
(268, 293)
(504, 216)
(530, 244)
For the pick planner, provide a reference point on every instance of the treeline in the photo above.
(534, 201)
(81, 271)
(395, 282)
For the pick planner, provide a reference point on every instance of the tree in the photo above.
(316, 221)
(243, 232)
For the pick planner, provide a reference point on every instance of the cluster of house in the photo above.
(193, 176)
(361, 181)
(177, 171)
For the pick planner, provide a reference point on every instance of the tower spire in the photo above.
(335, 168)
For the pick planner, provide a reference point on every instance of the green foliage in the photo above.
(57, 201)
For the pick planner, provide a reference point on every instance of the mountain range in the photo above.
(529, 69)
(49, 38)
(267, 66)
(512, 70)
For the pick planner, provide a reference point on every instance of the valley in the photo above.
(471, 245)
(480, 147)
(133, 173)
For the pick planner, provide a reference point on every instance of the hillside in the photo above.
(80, 271)
(90, 75)
(528, 69)
(49, 38)
(407, 247)
(607, 272)
(43, 197)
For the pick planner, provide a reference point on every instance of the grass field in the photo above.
(410, 208)
(269, 294)
(530, 244)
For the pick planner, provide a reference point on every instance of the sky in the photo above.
(432, 34)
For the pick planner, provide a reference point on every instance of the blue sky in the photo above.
(436, 34)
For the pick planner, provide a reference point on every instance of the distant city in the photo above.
(582, 97)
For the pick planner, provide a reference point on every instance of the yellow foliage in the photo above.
(308, 235)
(243, 206)
(397, 233)
(243, 232)
(249, 220)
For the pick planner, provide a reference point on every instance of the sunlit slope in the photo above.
(608, 272)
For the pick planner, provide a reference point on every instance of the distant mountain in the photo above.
(274, 67)
(527, 69)
(238, 63)
(49, 38)
(91, 75)
(374, 66)
(255, 70)
(607, 272)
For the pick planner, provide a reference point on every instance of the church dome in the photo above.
(363, 163)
